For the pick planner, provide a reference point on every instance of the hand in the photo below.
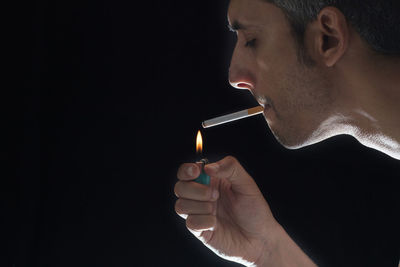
(230, 216)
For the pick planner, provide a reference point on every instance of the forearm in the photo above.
(284, 252)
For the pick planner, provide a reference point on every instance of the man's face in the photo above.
(297, 99)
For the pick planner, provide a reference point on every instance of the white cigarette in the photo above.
(233, 117)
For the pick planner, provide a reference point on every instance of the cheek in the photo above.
(294, 92)
(274, 75)
(267, 63)
(304, 99)
(263, 65)
(294, 89)
(275, 54)
(275, 64)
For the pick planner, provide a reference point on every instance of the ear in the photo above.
(333, 35)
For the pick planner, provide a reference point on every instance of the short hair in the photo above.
(376, 21)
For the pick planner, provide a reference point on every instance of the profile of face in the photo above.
(297, 99)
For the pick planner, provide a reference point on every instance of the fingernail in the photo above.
(190, 170)
(215, 194)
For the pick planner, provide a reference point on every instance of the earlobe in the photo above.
(333, 35)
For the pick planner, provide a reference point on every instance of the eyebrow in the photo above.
(236, 25)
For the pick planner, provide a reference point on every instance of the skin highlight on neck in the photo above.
(369, 96)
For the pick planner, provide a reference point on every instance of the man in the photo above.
(320, 69)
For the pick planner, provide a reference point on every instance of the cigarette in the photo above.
(233, 117)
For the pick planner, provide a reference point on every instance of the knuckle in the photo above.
(177, 188)
(181, 171)
(184, 173)
(231, 160)
(201, 223)
(209, 207)
(206, 194)
(191, 222)
(178, 207)
(233, 164)
(213, 222)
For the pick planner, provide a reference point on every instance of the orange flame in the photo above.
(199, 143)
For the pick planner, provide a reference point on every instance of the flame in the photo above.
(199, 143)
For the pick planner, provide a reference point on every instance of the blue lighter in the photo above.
(203, 178)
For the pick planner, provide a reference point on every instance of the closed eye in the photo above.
(250, 43)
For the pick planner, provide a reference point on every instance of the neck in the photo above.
(372, 95)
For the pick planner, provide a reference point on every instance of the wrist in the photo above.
(281, 251)
(271, 242)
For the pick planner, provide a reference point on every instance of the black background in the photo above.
(104, 106)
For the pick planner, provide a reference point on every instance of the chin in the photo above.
(297, 133)
(295, 139)
(291, 145)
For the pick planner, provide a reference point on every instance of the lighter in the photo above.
(203, 178)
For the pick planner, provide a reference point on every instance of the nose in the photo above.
(240, 75)
(242, 84)
(240, 78)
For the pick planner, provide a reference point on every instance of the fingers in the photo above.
(201, 222)
(195, 191)
(229, 168)
(185, 207)
(225, 168)
(188, 171)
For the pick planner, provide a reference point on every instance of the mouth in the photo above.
(263, 101)
(266, 103)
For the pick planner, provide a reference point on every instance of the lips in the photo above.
(263, 101)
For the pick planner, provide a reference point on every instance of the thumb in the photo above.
(229, 168)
